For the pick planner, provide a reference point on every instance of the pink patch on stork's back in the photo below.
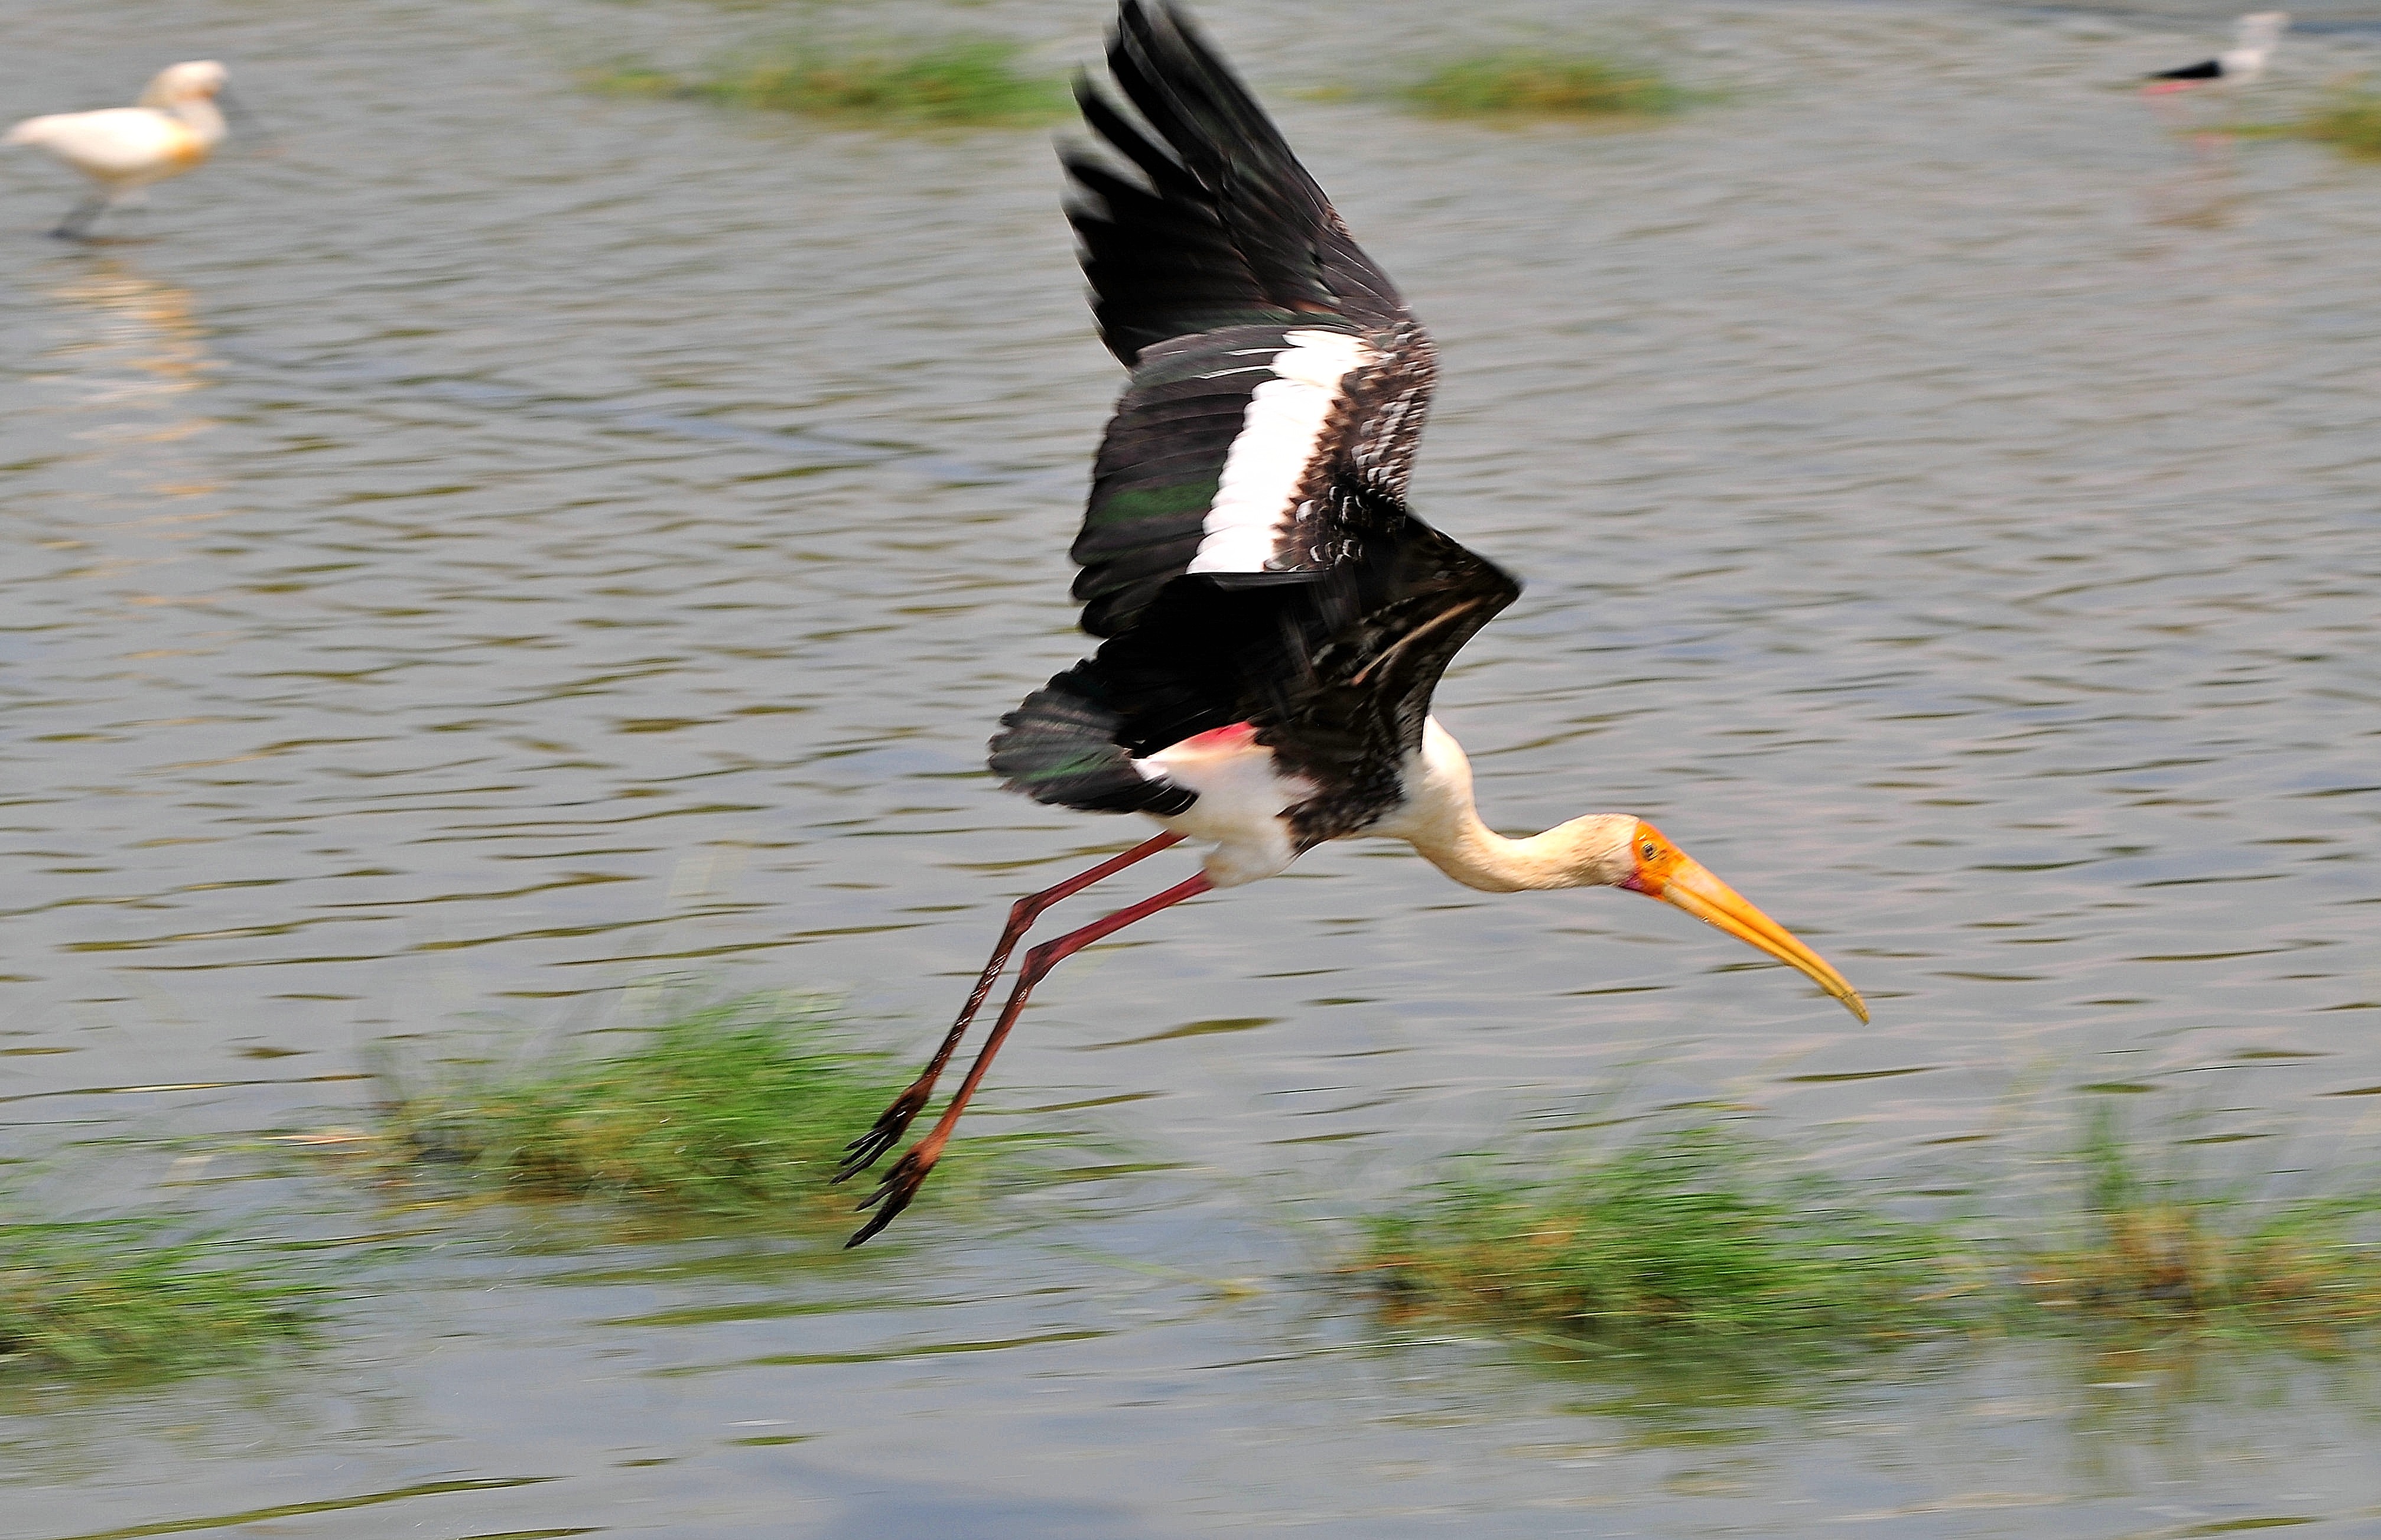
(1240, 734)
(2167, 88)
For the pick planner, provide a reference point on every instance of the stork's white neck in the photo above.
(1440, 820)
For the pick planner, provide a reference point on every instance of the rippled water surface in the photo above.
(508, 548)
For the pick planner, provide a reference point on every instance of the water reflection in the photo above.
(2206, 190)
(2204, 193)
(130, 348)
(114, 410)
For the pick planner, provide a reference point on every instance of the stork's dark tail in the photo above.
(1060, 746)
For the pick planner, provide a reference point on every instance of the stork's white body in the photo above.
(1243, 806)
(1245, 799)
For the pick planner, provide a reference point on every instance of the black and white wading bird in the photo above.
(1272, 617)
(2254, 38)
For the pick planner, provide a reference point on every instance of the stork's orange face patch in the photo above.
(1655, 858)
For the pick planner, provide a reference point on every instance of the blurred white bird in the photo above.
(174, 127)
(2253, 40)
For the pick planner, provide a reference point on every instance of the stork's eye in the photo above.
(1652, 851)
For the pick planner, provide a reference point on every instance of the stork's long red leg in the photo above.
(908, 1173)
(886, 1131)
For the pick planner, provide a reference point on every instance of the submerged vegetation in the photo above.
(2349, 118)
(2164, 1249)
(116, 1298)
(1705, 1239)
(963, 82)
(1521, 83)
(1703, 1252)
(728, 1109)
(738, 1108)
(1695, 1236)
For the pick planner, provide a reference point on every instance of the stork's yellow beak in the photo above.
(1667, 872)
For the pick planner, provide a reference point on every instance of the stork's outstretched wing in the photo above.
(1270, 357)
(1246, 552)
(1229, 227)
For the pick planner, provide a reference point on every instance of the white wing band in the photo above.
(1276, 444)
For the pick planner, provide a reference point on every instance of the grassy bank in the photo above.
(732, 1109)
(1699, 1237)
(966, 82)
(120, 1299)
(1526, 84)
(2147, 1242)
(1707, 1238)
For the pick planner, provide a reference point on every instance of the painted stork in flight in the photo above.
(2255, 36)
(1272, 617)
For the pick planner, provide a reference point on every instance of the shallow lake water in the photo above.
(500, 552)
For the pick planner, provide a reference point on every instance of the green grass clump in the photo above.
(2165, 1250)
(113, 1297)
(968, 82)
(730, 1108)
(2349, 118)
(1704, 1237)
(1525, 84)
(1686, 1238)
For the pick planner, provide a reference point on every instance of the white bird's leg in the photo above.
(80, 218)
(861, 1152)
(910, 1173)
